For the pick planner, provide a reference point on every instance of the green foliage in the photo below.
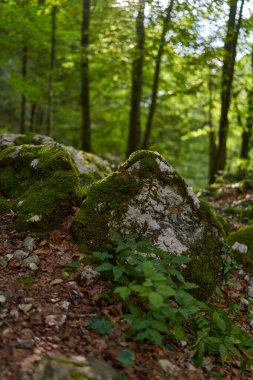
(160, 305)
(25, 281)
(102, 325)
(126, 358)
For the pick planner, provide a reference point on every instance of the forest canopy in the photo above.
(115, 76)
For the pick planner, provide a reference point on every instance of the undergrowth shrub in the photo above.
(159, 304)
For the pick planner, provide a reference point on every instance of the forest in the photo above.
(126, 189)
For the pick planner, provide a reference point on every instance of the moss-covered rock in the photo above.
(242, 245)
(5, 206)
(59, 367)
(42, 182)
(146, 195)
(90, 167)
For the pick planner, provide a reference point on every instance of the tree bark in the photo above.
(247, 132)
(212, 133)
(50, 102)
(23, 97)
(85, 92)
(152, 106)
(134, 137)
(227, 81)
(32, 117)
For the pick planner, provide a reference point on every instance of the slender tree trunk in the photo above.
(227, 81)
(85, 93)
(152, 106)
(32, 117)
(23, 97)
(247, 132)
(212, 132)
(50, 101)
(134, 137)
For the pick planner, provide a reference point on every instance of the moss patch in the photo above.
(5, 206)
(42, 182)
(243, 236)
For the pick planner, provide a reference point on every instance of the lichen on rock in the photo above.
(146, 195)
(42, 183)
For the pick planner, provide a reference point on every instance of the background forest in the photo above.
(113, 76)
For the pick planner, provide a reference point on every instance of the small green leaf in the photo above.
(102, 325)
(123, 291)
(117, 272)
(104, 267)
(223, 352)
(219, 321)
(198, 359)
(148, 268)
(155, 300)
(166, 291)
(126, 358)
(73, 264)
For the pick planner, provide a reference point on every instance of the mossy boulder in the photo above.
(60, 367)
(146, 195)
(242, 245)
(90, 167)
(42, 183)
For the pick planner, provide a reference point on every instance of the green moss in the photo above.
(5, 206)
(208, 213)
(243, 236)
(25, 139)
(75, 375)
(90, 224)
(43, 183)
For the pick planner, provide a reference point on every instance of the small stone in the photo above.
(247, 278)
(14, 313)
(89, 275)
(242, 248)
(25, 307)
(21, 255)
(251, 323)
(241, 272)
(183, 343)
(244, 302)
(9, 256)
(29, 243)
(57, 281)
(25, 343)
(32, 266)
(28, 300)
(2, 298)
(169, 367)
(3, 262)
(250, 291)
(64, 305)
(55, 319)
(33, 259)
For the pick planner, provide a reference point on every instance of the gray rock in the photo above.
(169, 368)
(250, 291)
(19, 254)
(64, 305)
(9, 256)
(55, 319)
(25, 307)
(3, 262)
(29, 243)
(2, 298)
(32, 266)
(27, 344)
(33, 259)
(59, 367)
(89, 275)
(244, 302)
(147, 196)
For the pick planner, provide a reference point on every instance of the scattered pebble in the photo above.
(250, 291)
(241, 272)
(14, 313)
(9, 256)
(32, 266)
(2, 298)
(29, 243)
(169, 367)
(242, 248)
(27, 344)
(244, 302)
(55, 319)
(89, 275)
(33, 259)
(57, 281)
(21, 255)
(25, 307)
(64, 305)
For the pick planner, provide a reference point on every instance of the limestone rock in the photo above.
(59, 367)
(146, 195)
(42, 183)
(242, 245)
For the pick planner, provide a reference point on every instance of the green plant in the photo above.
(159, 305)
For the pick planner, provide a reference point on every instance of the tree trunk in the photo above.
(212, 133)
(134, 138)
(152, 106)
(85, 96)
(247, 132)
(50, 102)
(227, 81)
(32, 117)
(23, 97)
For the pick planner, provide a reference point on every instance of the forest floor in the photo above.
(47, 307)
